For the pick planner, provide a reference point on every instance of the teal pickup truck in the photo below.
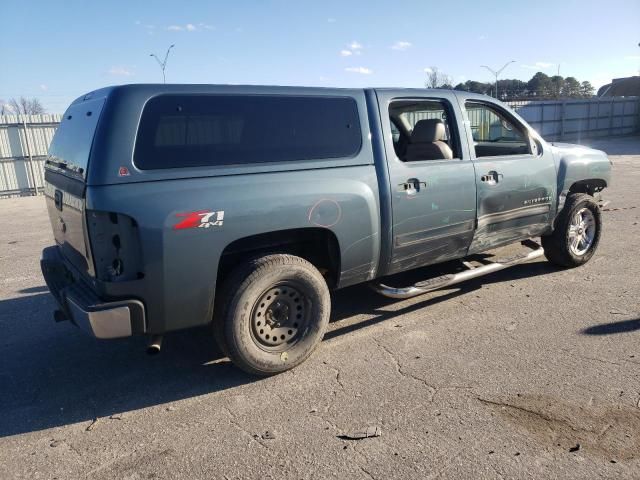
(242, 207)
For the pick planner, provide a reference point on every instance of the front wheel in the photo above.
(577, 232)
(276, 310)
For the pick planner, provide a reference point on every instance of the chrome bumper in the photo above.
(112, 319)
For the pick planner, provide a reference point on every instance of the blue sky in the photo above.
(57, 50)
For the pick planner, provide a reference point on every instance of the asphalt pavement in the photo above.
(532, 372)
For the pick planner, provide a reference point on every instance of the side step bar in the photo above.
(453, 278)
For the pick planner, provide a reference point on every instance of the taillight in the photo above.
(115, 246)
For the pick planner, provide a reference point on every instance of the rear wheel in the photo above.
(276, 310)
(577, 232)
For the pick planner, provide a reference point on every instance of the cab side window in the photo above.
(179, 131)
(421, 130)
(495, 133)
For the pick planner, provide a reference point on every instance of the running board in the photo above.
(453, 278)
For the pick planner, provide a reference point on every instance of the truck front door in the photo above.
(515, 177)
(433, 192)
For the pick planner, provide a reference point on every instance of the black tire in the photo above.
(558, 245)
(274, 312)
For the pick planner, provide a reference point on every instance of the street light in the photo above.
(498, 72)
(163, 64)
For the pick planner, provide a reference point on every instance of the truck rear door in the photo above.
(515, 176)
(433, 192)
(65, 179)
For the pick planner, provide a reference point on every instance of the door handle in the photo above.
(492, 177)
(411, 186)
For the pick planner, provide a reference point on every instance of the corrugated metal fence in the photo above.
(576, 119)
(566, 119)
(24, 139)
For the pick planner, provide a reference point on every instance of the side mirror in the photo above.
(506, 125)
(536, 146)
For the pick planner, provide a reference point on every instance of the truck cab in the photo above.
(466, 174)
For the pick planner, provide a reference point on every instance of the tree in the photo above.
(539, 85)
(437, 79)
(474, 86)
(557, 84)
(571, 88)
(4, 108)
(586, 89)
(511, 88)
(25, 106)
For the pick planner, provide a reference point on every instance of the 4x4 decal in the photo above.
(200, 219)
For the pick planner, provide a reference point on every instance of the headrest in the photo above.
(428, 131)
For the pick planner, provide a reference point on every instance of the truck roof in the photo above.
(157, 88)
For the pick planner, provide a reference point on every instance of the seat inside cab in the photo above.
(421, 130)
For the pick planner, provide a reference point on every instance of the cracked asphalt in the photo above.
(532, 372)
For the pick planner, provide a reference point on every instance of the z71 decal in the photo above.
(200, 219)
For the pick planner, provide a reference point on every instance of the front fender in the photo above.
(579, 164)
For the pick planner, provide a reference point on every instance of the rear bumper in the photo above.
(102, 319)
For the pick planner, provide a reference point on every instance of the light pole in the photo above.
(498, 72)
(163, 64)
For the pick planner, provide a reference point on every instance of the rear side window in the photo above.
(192, 131)
(71, 144)
(424, 130)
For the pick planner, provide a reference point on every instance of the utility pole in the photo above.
(163, 64)
(498, 72)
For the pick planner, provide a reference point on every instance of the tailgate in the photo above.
(65, 179)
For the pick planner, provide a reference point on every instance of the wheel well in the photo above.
(590, 186)
(316, 245)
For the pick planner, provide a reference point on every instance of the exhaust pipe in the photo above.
(155, 345)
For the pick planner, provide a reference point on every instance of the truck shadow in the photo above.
(360, 299)
(53, 374)
(623, 326)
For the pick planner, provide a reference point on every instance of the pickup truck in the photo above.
(241, 207)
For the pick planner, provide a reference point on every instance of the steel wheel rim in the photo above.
(582, 231)
(279, 318)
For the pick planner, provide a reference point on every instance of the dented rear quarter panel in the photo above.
(181, 266)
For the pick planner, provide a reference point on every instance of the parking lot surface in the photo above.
(532, 372)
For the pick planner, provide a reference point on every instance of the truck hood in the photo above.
(575, 149)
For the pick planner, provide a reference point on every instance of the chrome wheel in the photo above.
(279, 318)
(582, 231)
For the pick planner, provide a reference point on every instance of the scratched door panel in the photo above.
(437, 222)
(433, 199)
(515, 178)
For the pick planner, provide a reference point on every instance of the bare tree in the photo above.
(437, 79)
(4, 108)
(25, 106)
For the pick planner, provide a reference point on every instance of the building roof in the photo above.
(621, 87)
